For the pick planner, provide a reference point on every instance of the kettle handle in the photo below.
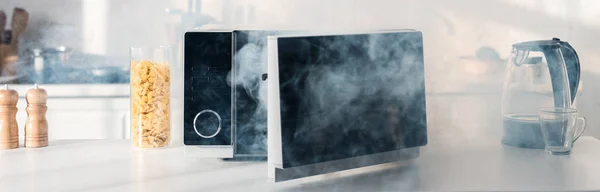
(573, 67)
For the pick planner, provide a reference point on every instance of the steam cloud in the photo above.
(374, 82)
(250, 64)
(368, 88)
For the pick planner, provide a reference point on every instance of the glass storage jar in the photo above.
(150, 96)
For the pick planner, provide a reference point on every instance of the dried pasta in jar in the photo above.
(150, 111)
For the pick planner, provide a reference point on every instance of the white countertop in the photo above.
(112, 165)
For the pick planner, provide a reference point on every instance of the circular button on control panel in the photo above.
(207, 118)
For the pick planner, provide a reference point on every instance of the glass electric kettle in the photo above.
(540, 74)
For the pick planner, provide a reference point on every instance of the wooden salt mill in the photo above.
(9, 131)
(36, 127)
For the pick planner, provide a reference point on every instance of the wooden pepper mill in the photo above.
(36, 127)
(9, 131)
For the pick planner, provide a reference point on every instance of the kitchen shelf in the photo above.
(77, 90)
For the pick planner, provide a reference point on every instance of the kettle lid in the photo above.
(555, 43)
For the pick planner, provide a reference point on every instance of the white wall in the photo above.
(106, 27)
(452, 29)
(456, 27)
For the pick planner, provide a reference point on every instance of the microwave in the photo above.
(225, 113)
(340, 101)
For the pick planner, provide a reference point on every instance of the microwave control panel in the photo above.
(207, 90)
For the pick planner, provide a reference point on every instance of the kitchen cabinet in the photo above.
(95, 111)
(92, 111)
(82, 118)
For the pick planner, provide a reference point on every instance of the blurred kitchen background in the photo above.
(467, 43)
